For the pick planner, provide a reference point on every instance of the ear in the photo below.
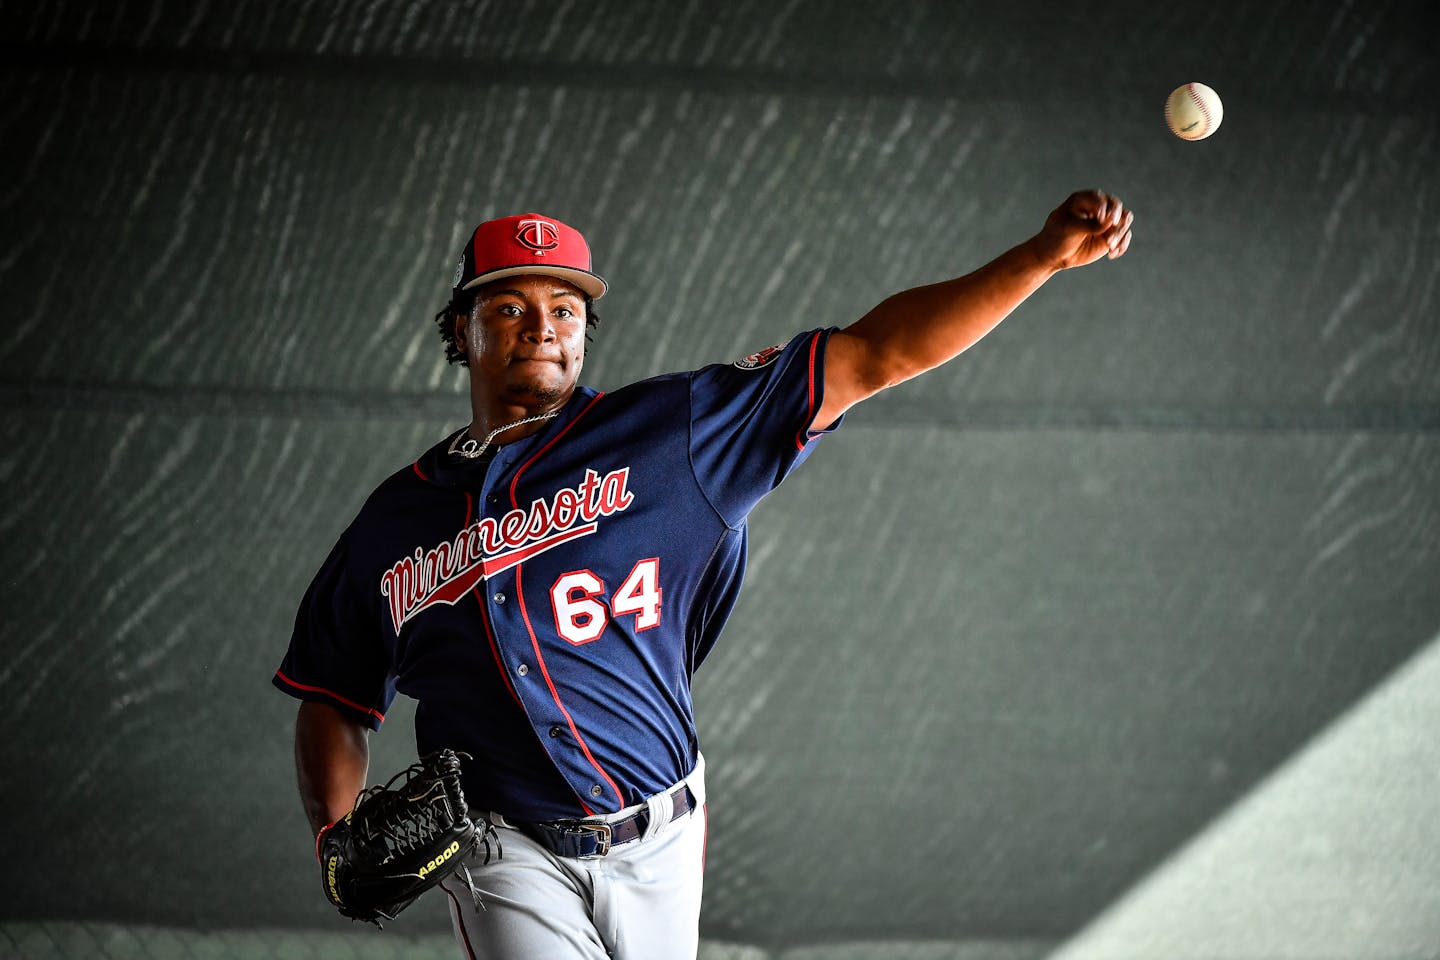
(460, 323)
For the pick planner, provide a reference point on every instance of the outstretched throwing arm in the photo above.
(921, 328)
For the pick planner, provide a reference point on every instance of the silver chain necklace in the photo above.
(468, 447)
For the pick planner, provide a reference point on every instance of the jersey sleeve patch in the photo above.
(749, 421)
(762, 358)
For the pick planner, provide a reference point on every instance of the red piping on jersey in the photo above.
(515, 504)
(420, 473)
(525, 614)
(485, 619)
(334, 696)
(555, 694)
(803, 437)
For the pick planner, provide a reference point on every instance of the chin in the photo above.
(539, 394)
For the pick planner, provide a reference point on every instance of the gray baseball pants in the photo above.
(639, 902)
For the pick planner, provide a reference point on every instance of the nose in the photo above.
(538, 328)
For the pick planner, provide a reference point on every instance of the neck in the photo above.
(509, 422)
(471, 446)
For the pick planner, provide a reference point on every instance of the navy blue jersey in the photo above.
(547, 607)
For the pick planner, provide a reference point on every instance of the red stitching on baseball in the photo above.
(1199, 102)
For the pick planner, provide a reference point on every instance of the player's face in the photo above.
(525, 340)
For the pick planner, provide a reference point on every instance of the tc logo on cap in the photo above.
(538, 235)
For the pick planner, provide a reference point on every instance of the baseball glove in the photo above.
(400, 840)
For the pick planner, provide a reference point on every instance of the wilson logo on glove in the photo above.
(450, 851)
(400, 841)
(334, 891)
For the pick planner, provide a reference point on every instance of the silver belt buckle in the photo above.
(601, 830)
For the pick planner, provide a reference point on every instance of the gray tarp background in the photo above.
(1111, 639)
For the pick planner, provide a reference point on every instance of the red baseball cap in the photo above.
(525, 244)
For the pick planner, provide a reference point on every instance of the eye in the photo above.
(565, 312)
(510, 310)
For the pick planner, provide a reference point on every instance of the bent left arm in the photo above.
(919, 329)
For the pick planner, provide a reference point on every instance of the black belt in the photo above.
(589, 839)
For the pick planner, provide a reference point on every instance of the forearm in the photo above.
(921, 328)
(332, 757)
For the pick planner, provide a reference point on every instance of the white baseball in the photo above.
(1193, 111)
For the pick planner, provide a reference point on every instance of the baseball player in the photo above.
(545, 582)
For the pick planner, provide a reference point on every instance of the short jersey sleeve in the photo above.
(336, 653)
(750, 421)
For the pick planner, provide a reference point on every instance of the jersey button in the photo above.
(493, 498)
(595, 790)
(522, 669)
(498, 598)
(555, 731)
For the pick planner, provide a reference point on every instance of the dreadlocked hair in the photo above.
(464, 301)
